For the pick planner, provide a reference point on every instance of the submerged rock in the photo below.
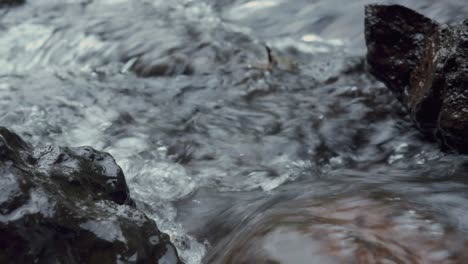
(71, 205)
(11, 2)
(342, 229)
(426, 65)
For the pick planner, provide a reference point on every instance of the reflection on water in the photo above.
(228, 158)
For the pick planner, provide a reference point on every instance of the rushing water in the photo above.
(312, 161)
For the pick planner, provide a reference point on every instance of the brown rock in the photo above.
(425, 64)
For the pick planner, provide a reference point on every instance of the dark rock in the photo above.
(71, 205)
(177, 64)
(426, 65)
(181, 151)
(4, 3)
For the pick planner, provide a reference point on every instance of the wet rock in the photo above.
(173, 65)
(71, 205)
(4, 3)
(426, 65)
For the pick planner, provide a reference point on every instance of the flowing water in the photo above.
(312, 161)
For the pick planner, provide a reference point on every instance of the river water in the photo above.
(312, 161)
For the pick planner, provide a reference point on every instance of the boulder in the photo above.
(426, 65)
(71, 205)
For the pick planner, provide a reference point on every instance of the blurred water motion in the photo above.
(246, 164)
(342, 230)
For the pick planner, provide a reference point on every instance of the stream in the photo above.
(311, 161)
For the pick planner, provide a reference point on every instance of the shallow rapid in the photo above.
(224, 153)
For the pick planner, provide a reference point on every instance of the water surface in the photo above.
(223, 153)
